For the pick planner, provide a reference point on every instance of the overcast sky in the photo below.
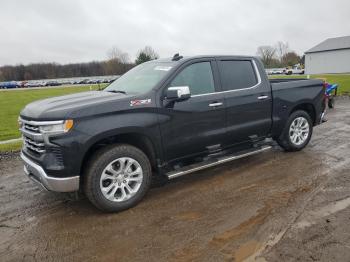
(67, 31)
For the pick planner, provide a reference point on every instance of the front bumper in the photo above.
(38, 175)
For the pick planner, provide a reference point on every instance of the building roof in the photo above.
(329, 44)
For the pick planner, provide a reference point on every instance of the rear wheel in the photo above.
(297, 132)
(331, 102)
(117, 177)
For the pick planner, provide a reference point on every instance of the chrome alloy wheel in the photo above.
(121, 179)
(299, 131)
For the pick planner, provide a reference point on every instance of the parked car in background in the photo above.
(10, 84)
(92, 81)
(52, 83)
(41, 83)
(275, 71)
(65, 82)
(32, 84)
(294, 70)
(21, 83)
(83, 81)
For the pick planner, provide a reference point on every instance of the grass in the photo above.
(15, 146)
(13, 101)
(343, 80)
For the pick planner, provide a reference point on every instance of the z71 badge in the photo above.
(140, 102)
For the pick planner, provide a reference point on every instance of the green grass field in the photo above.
(343, 80)
(15, 146)
(12, 102)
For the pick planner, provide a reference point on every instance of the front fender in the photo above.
(89, 131)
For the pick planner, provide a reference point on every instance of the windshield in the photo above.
(141, 78)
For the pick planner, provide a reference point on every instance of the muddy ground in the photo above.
(271, 207)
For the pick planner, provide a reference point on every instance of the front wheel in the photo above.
(297, 132)
(117, 177)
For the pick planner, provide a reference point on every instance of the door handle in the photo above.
(215, 104)
(263, 97)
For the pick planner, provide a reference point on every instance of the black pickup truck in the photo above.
(164, 118)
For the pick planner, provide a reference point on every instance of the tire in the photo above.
(331, 102)
(123, 186)
(297, 140)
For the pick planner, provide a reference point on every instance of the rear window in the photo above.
(237, 74)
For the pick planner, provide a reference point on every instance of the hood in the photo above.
(63, 107)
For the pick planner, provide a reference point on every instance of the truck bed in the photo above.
(288, 93)
(297, 84)
(279, 80)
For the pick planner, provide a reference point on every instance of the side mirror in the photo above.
(178, 93)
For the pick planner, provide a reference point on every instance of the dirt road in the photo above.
(271, 207)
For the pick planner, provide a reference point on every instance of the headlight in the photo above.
(57, 128)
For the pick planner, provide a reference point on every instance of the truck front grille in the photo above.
(38, 147)
(31, 128)
(32, 138)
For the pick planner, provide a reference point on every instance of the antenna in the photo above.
(176, 57)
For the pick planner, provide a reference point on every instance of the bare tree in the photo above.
(116, 54)
(291, 58)
(267, 54)
(118, 61)
(148, 50)
(282, 48)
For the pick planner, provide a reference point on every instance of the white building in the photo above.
(330, 56)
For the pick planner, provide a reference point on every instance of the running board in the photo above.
(196, 167)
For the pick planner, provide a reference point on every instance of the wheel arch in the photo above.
(137, 139)
(308, 108)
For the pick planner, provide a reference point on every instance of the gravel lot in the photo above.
(271, 207)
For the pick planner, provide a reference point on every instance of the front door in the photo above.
(196, 125)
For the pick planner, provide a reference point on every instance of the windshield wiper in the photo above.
(117, 91)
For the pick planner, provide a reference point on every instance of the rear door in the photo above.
(247, 99)
(197, 125)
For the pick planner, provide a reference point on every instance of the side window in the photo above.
(237, 74)
(198, 77)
